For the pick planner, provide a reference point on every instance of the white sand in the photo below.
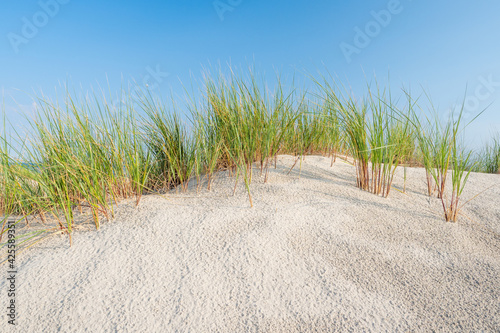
(314, 254)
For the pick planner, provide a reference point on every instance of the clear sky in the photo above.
(445, 46)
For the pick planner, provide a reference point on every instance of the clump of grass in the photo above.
(78, 156)
(241, 125)
(390, 140)
(488, 159)
(236, 117)
(378, 137)
(351, 115)
(172, 149)
(443, 154)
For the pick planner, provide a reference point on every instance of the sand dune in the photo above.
(314, 254)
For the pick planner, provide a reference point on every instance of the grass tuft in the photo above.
(88, 155)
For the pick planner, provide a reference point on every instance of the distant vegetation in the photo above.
(88, 154)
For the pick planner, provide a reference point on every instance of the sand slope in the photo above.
(314, 254)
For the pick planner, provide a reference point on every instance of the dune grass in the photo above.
(240, 124)
(444, 156)
(172, 149)
(379, 136)
(77, 156)
(487, 160)
(87, 154)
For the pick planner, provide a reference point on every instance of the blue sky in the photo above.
(445, 46)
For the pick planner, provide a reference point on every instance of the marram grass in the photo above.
(89, 155)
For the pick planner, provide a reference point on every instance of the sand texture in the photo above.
(314, 254)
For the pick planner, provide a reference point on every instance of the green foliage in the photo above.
(88, 154)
